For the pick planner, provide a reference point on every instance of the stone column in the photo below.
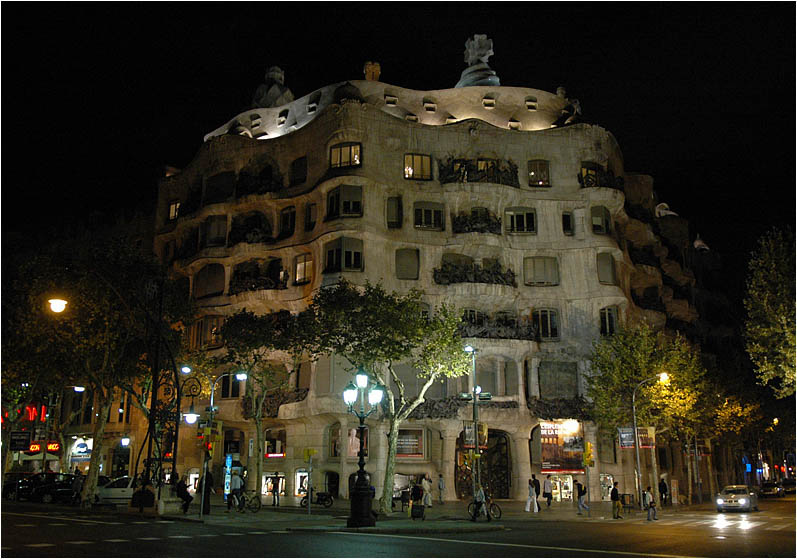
(291, 375)
(521, 383)
(534, 379)
(522, 475)
(500, 381)
(593, 481)
(448, 460)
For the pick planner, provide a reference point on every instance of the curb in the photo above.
(423, 528)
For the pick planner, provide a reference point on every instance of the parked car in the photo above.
(10, 482)
(51, 487)
(788, 484)
(772, 489)
(117, 492)
(737, 497)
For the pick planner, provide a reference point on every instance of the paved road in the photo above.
(33, 530)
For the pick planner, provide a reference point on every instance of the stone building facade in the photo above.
(494, 199)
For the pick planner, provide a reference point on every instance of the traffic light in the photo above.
(209, 448)
(589, 460)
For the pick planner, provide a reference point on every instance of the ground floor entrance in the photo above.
(562, 485)
(495, 466)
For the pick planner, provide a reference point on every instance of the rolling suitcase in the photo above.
(418, 511)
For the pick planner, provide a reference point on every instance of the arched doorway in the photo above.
(120, 461)
(495, 467)
(332, 482)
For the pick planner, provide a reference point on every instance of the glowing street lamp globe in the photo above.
(57, 305)
(375, 395)
(241, 376)
(350, 394)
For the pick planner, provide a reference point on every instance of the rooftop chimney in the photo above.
(372, 70)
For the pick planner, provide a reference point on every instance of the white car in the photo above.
(737, 497)
(116, 492)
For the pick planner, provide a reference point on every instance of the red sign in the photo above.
(53, 447)
(35, 447)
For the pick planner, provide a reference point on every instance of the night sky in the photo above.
(97, 98)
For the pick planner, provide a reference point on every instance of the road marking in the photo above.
(116, 540)
(25, 525)
(148, 539)
(528, 546)
(40, 545)
(281, 532)
(233, 534)
(208, 535)
(58, 524)
(139, 522)
(779, 526)
(79, 542)
(52, 517)
(164, 522)
(258, 533)
(181, 537)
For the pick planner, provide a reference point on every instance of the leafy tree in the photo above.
(376, 330)
(635, 354)
(770, 305)
(260, 345)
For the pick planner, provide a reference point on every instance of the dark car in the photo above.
(772, 489)
(10, 482)
(53, 488)
(788, 484)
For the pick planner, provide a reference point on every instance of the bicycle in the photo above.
(493, 509)
(249, 500)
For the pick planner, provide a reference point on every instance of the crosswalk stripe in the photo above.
(24, 525)
(780, 526)
(116, 540)
(148, 539)
(40, 545)
(233, 534)
(57, 524)
(258, 533)
(180, 537)
(79, 542)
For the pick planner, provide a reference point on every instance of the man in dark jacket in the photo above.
(663, 491)
(536, 484)
(617, 507)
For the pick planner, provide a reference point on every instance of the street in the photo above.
(33, 530)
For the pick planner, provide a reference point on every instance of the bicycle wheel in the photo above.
(472, 509)
(253, 502)
(495, 511)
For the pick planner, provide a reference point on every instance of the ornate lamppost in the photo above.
(361, 496)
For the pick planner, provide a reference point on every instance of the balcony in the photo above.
(499, 328)
(478, 221)
(258, 275)
(465, 272)
(597, 177)
(478, 170)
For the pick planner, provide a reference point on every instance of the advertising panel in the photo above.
(410, 443)
(647, 437)
(562, 443)
(20, 440)
(467, 427)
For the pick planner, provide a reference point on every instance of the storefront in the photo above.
(562, 449)
(606, 481)
(562, 486)
(80, 454)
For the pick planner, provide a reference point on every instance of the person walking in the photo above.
(581, 495)
(663, 490)
(275, 490)
(617, 506)
(441, 486)
(416, 496)
(182, 493)
(77, 487)
(208, 489)
(236, 483)
(547, 490)
(532, 499)
(650, 504)
(481, 504)
(537, 492)
(426, 485)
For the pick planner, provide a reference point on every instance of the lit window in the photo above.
(344, 155)
(429, 215)
(205, 332)
(407, 263)
(541, 270)
(345, 201)
(417, 166)
(174, 210)
(539, 173)
(589, 174)
(521, 220)
(567, 223)
(547, 322)
(287, 221)
(304, 268)
(395, 215)
(601, 220)
(606, 272)
(485, 165)
(608, 321)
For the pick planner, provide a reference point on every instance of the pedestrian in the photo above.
(77, 487)
(416, 496)
(650, 504)
(581, 494)
(547, 490)
(441, 486)
(182, 493)
(236, 483)
(532, 499)
(480, 501)
(426, 484)
(412, 492)
(617, 507)
(206, 482)
(275, 490)
(663, 490)
(537, 493)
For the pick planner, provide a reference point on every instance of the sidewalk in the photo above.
(449, 517)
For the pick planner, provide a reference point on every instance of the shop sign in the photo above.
(562, 442)
(410, 443)
(20, 440)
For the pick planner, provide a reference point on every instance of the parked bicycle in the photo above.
(492, 507)
(321, 498)
(249, 500)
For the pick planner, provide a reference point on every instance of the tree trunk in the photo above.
(655, 484)
(90, 483)
(258, 422)
(712, 480)
(688, 471)
(386, 502)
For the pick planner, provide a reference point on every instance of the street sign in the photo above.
(20, 440)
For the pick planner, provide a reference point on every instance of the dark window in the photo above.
(344, 155)
(601, 220)
(345, 201)
(310, 216)
(343, 254)
(417, 166)
(547, 322)
(88, 411)
(590, 172)
(608, 321)
(606, 273)
(429, 215)
(521, 220)
(407, 263)
(287, 221)
(298, 171)
(230, 387)
(214, 231)
(395, 215)
(541, 270)
(205, 333)
(567, 223)
(209, 281)
(539, 173)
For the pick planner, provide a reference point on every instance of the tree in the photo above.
(376, 330)
(770, 305)
(260, 346)
(635, 354)
(105, 337)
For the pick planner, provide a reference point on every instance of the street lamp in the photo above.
(476, 396)
(662, 378)
(57, 305)
(361, 495)
(211, 410)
